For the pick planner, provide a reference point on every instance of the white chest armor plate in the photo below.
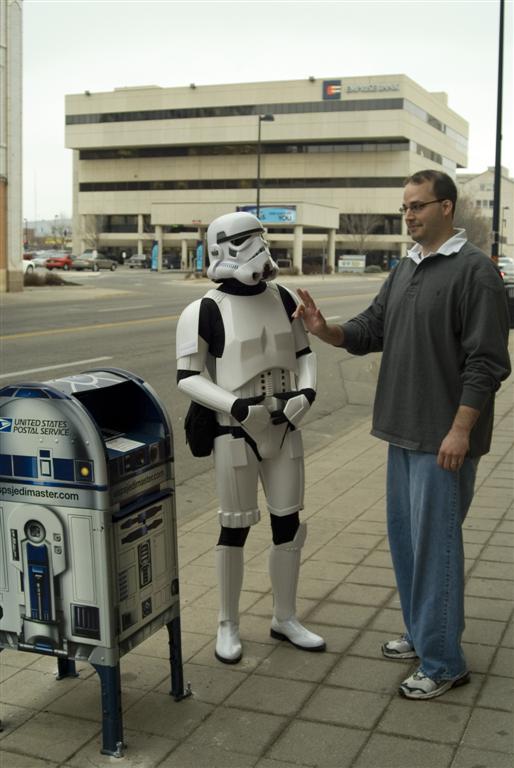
(259, 343)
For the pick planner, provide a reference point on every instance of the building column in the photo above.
(11, 278)
(139, 234)
(82, 245)
(78, 221)
(298, 249)
(183, 254)
(158, 237)
(331, 250)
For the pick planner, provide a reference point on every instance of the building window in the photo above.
(148, 227)
(350, 182)
(369, 224)
(117, 223)
(241, 110)
(310, 147)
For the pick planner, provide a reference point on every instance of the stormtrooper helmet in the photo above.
(237, 249)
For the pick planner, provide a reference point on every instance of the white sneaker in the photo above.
(228, 644)
(399, 649)
(296, 634)
(419, 686)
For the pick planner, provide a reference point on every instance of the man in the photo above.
(441, 322)
(241, 354)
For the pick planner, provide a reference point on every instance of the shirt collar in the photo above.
(452, 245)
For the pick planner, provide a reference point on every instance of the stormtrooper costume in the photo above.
(240, 353)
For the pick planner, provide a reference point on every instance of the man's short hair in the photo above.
(444, 186)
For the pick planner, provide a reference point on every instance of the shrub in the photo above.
(39, 279)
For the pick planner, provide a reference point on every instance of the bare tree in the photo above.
(478, 227)
(90, 233)
(60, 231)
(359, 226)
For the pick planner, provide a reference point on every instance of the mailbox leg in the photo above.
(177, 670)
(66, 668)
(112, 718)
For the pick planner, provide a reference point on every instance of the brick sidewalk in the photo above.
(281, 707)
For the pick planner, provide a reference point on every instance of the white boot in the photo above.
(284, 566)
(229, 567)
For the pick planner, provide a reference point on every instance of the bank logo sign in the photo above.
(331, 89)
(5, 425)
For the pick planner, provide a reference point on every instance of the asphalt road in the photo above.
(127, 319)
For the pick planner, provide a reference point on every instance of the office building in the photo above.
(479, 187)
(324, 158)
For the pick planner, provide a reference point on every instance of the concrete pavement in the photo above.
(281, 707)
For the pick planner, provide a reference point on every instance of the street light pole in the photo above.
(498, 154)
(261, 119)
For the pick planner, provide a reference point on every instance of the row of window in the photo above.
(207, 150)
(185, 184)
(128, 224)
(224, 150)
(239, 110)
(484, 203)
(245, 110)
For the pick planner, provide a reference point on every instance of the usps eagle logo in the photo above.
(331, 89)
(5, 425)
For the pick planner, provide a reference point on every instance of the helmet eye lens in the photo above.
(239, 241)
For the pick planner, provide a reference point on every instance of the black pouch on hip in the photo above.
(200, 426)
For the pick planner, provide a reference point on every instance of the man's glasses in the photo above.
(417, 207)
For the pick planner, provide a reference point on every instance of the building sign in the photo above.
(331, 89)
(268, 214)
(372, 88)
(351, 262)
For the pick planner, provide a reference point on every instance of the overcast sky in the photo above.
(75, 45)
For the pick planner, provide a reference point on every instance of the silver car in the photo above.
(93, 261)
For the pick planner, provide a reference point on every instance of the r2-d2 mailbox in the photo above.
(88, 545)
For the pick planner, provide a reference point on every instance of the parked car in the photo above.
(41, 257)
(93, 262)
(60, 260)
(27, 266)
(138, 261)
(118, 258)
(506, 267)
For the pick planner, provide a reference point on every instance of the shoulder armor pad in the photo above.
(187, 330)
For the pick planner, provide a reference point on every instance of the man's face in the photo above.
(427, 225)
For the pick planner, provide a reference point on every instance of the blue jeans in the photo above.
(426, 506)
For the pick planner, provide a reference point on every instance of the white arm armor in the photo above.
(307, 371)
(296, 407)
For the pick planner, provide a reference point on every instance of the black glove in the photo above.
(278, 417)
(241, 407)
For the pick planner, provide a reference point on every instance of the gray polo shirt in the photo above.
(442, 326)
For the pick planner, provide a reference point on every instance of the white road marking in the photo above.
(54, 367)
(122, 309)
